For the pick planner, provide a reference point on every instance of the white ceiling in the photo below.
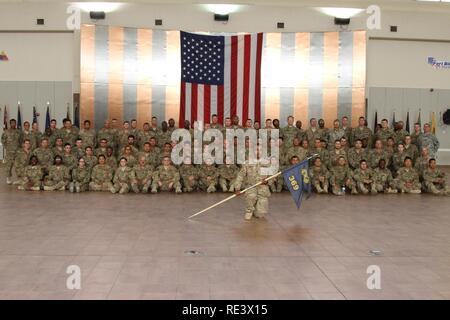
(407, 5)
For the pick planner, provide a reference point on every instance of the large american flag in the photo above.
(220, 75)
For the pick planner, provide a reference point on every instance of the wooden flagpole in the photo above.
(245, 190)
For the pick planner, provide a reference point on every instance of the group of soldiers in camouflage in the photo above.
(127, 159)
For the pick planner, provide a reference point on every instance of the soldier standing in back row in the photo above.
(11, 142)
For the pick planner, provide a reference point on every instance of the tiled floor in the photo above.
(132, 247)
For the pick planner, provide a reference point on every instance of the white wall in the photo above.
(37, 57)
(390, 64)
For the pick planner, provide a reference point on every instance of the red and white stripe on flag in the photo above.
(240, 93)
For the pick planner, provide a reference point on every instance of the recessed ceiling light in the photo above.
(222, 8)
(343, 13)
(99, 6)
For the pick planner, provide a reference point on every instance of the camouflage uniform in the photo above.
(189, 175)
(375, 156)
(36, 137)
(91, 161)
(89, 137)
(141, 178)
(122, 180)
(324, 156)
(112, 162)
(256, 199)
(166, 176)
(208, 175)
(298, 151)
(70, 161)
(361, 133)
(68, 135)
(155, 157)
(11, 139)
(421, 164)
(144, 136)
(415, 138)
(398, 159)
(355, 156)
(399, 135)
(383, 180)
(45, 157)
(435, 181)
(364, 181)
(134, 150)
(335, 155)
(101, 177)
(319, 178)
(412, 152)
(109, 135)
(341, 177)
(32, 178)
(131, 160)
(80, 179)
(78, 152)
(21, 161)
(58, 178)
(384, 134)
(28, 135)
(324, 134)
(122, 138)
(52, 134)
(312, 135)
(58, 151)
(333, 136)
(429, 141)
(100, 151)
(227, 176)
(163, 137)
(407, 175)
(289, 133)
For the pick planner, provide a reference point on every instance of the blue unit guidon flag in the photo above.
(297, 180)
(220, 75)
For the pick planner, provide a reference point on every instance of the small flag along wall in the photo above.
(47, 118)
(35, 115)
(19, 118)
(407, 122)
(3, 56)
(5, 117)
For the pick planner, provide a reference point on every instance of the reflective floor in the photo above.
(139, 247)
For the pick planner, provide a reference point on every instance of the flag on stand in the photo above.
(221, 75)
(407, 122)
(35, 119)
(47, 118)
(68, 112)
(5, 118)
(19, 118)
(297, 180)
(76, 116)
(419, 120)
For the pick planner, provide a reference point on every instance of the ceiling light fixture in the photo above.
(342, 13)
(99, 6)
(223, 9)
